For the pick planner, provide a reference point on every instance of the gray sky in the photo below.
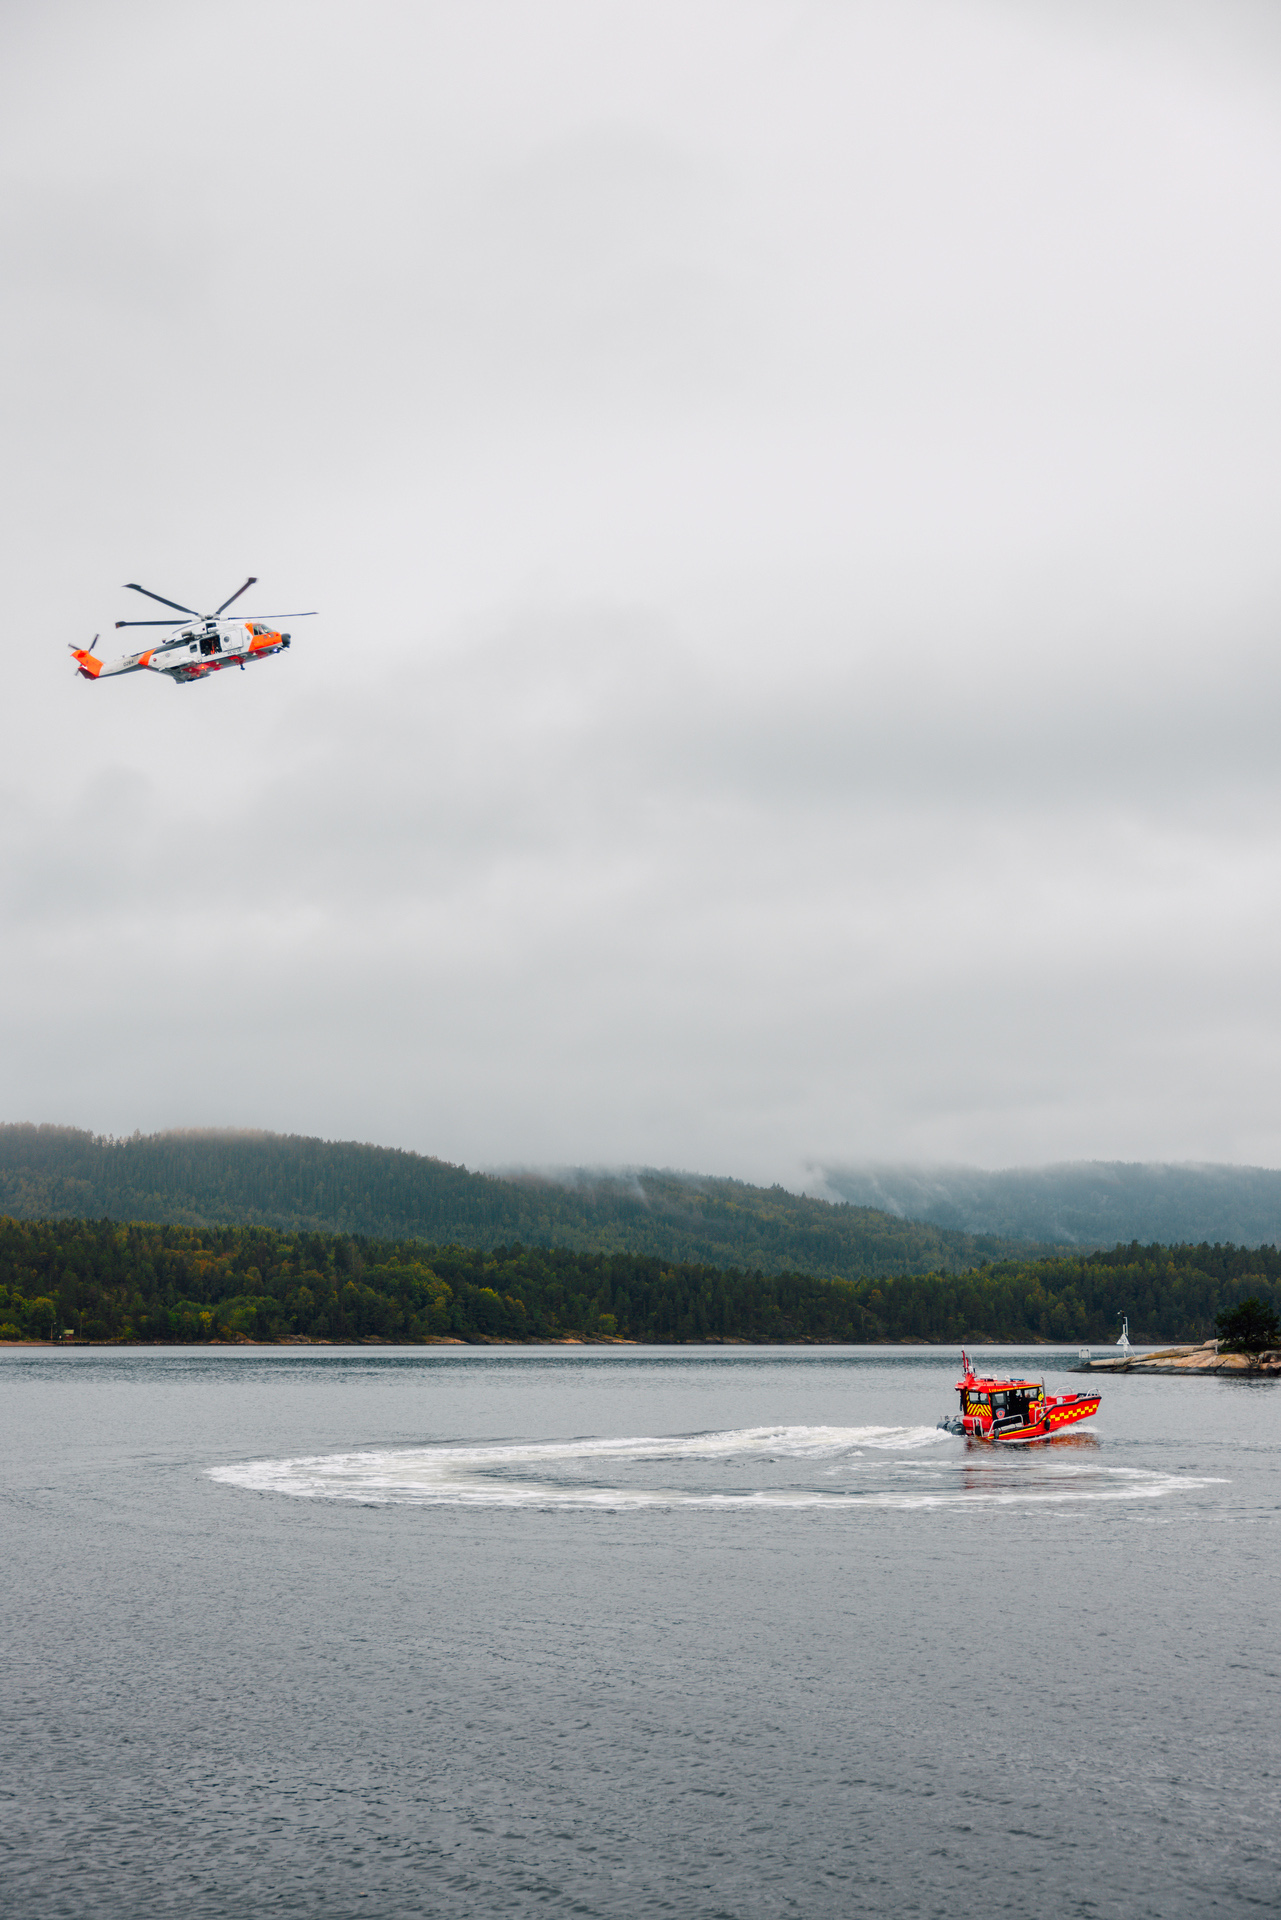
(793, 496)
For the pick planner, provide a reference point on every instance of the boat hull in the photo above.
(1059, 1417)
(1069, 1413)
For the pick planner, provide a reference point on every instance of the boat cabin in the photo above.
(997, 1399)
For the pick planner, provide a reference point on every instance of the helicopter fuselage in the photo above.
(192, 653)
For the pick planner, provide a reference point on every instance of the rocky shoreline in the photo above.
(1203, 1359)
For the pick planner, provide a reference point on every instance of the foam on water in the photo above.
(742, 1467)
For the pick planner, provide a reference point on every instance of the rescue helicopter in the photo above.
(204, 643)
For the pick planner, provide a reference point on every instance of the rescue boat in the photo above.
(1017, 1410)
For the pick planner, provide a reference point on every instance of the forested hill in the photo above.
(1087, 1203)
(105, 1282)
(291, 1183)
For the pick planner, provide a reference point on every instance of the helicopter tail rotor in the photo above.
(87, 666)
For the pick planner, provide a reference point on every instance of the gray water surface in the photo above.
(629, 1632)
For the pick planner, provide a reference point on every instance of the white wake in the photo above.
(743, 1467)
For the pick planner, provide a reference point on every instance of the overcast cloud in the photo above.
(792, 492)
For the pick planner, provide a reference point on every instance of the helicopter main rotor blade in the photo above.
(252, 581)
(135, 588)
(246, 616)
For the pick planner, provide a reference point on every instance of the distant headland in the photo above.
(1205, 1359)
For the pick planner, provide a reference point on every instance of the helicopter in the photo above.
(204, 643)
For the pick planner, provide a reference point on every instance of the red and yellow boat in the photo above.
(1018, 1410)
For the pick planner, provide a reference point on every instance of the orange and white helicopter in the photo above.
(205, 643)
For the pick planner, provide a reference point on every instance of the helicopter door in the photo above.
(210, 643)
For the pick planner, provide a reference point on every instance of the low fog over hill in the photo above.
(1085, 1203)
(874, 1220)
(291, 1183)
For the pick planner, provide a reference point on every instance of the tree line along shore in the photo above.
(107, 1282)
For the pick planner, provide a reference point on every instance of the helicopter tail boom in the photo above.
(91, 668)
